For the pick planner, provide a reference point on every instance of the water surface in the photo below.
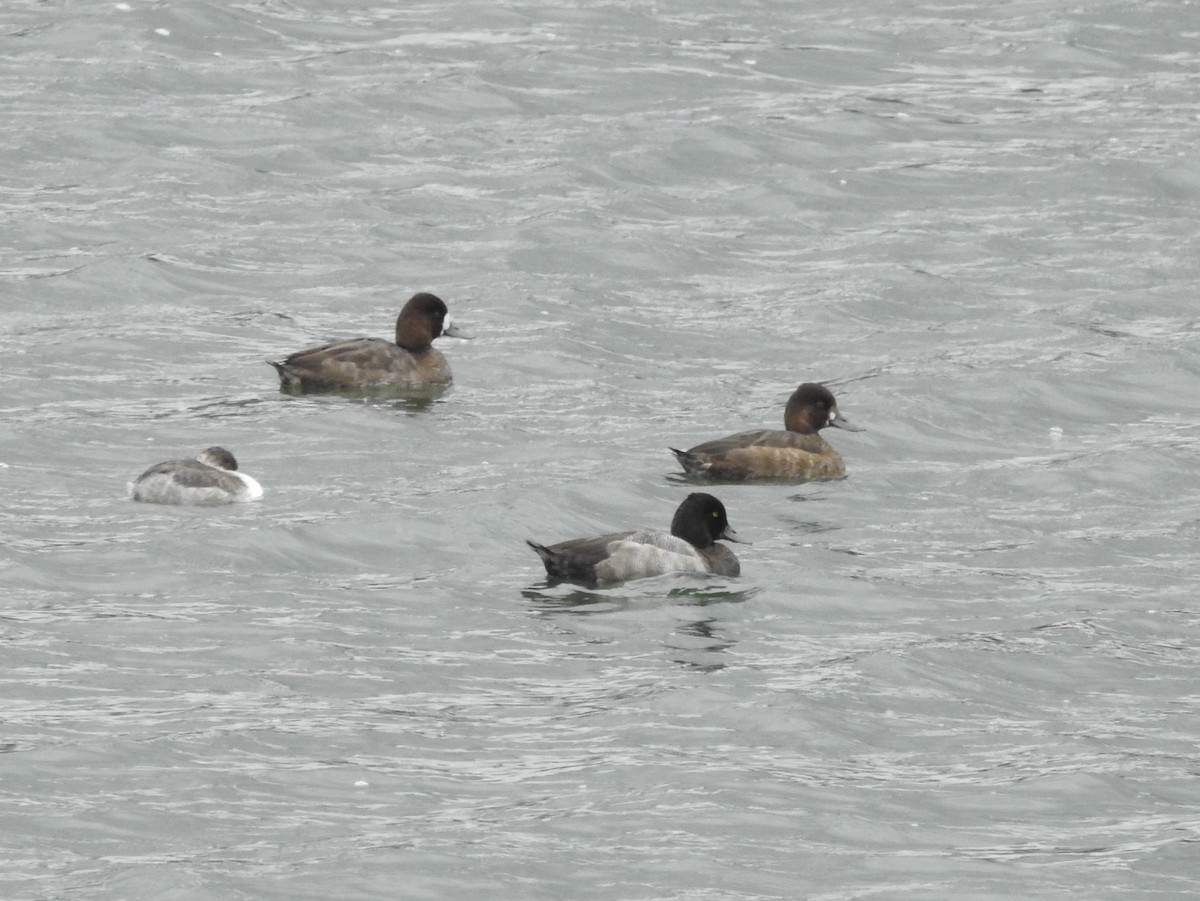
(965, 672)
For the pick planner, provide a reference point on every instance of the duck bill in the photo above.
(840, 422)
(450, 330)
(730, 535)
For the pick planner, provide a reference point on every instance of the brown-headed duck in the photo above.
(364, 363)
(208, 480)
(798, 452)
(690, 547)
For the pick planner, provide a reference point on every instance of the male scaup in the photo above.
(360, 363)
(688, 548)
(208, 480)
(797, 453)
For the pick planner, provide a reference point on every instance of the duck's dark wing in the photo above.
(190, 474)
(760, 438)
(357, 362)
(164, 483)
(764, 454)
(576, 559)
(198, 475)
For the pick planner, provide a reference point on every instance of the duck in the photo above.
(358, 363)
(795, 452)
(689, 547)
(209, 479)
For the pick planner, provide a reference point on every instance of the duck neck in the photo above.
(413, 336)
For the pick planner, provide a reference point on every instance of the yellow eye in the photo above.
(714, 514)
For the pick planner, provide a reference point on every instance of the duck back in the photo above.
(362, 363)
(764, 454)
(190, 482)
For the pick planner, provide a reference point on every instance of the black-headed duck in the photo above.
(208, 480)
(796, 452)
(690, 547)
(364, 363)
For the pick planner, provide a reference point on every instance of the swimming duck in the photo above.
(208, 480)
(798, 452)
(411, 362)
(690, 547)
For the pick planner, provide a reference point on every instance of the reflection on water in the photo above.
(408, 399)
(696, 643)
(700, 644)
(579, 600)
(696, 478)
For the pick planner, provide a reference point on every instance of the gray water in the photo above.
(970, 670)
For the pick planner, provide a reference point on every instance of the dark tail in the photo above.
(544, 552)
(689, 462)
(562, 568)
(287, 378)
(556, 567)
